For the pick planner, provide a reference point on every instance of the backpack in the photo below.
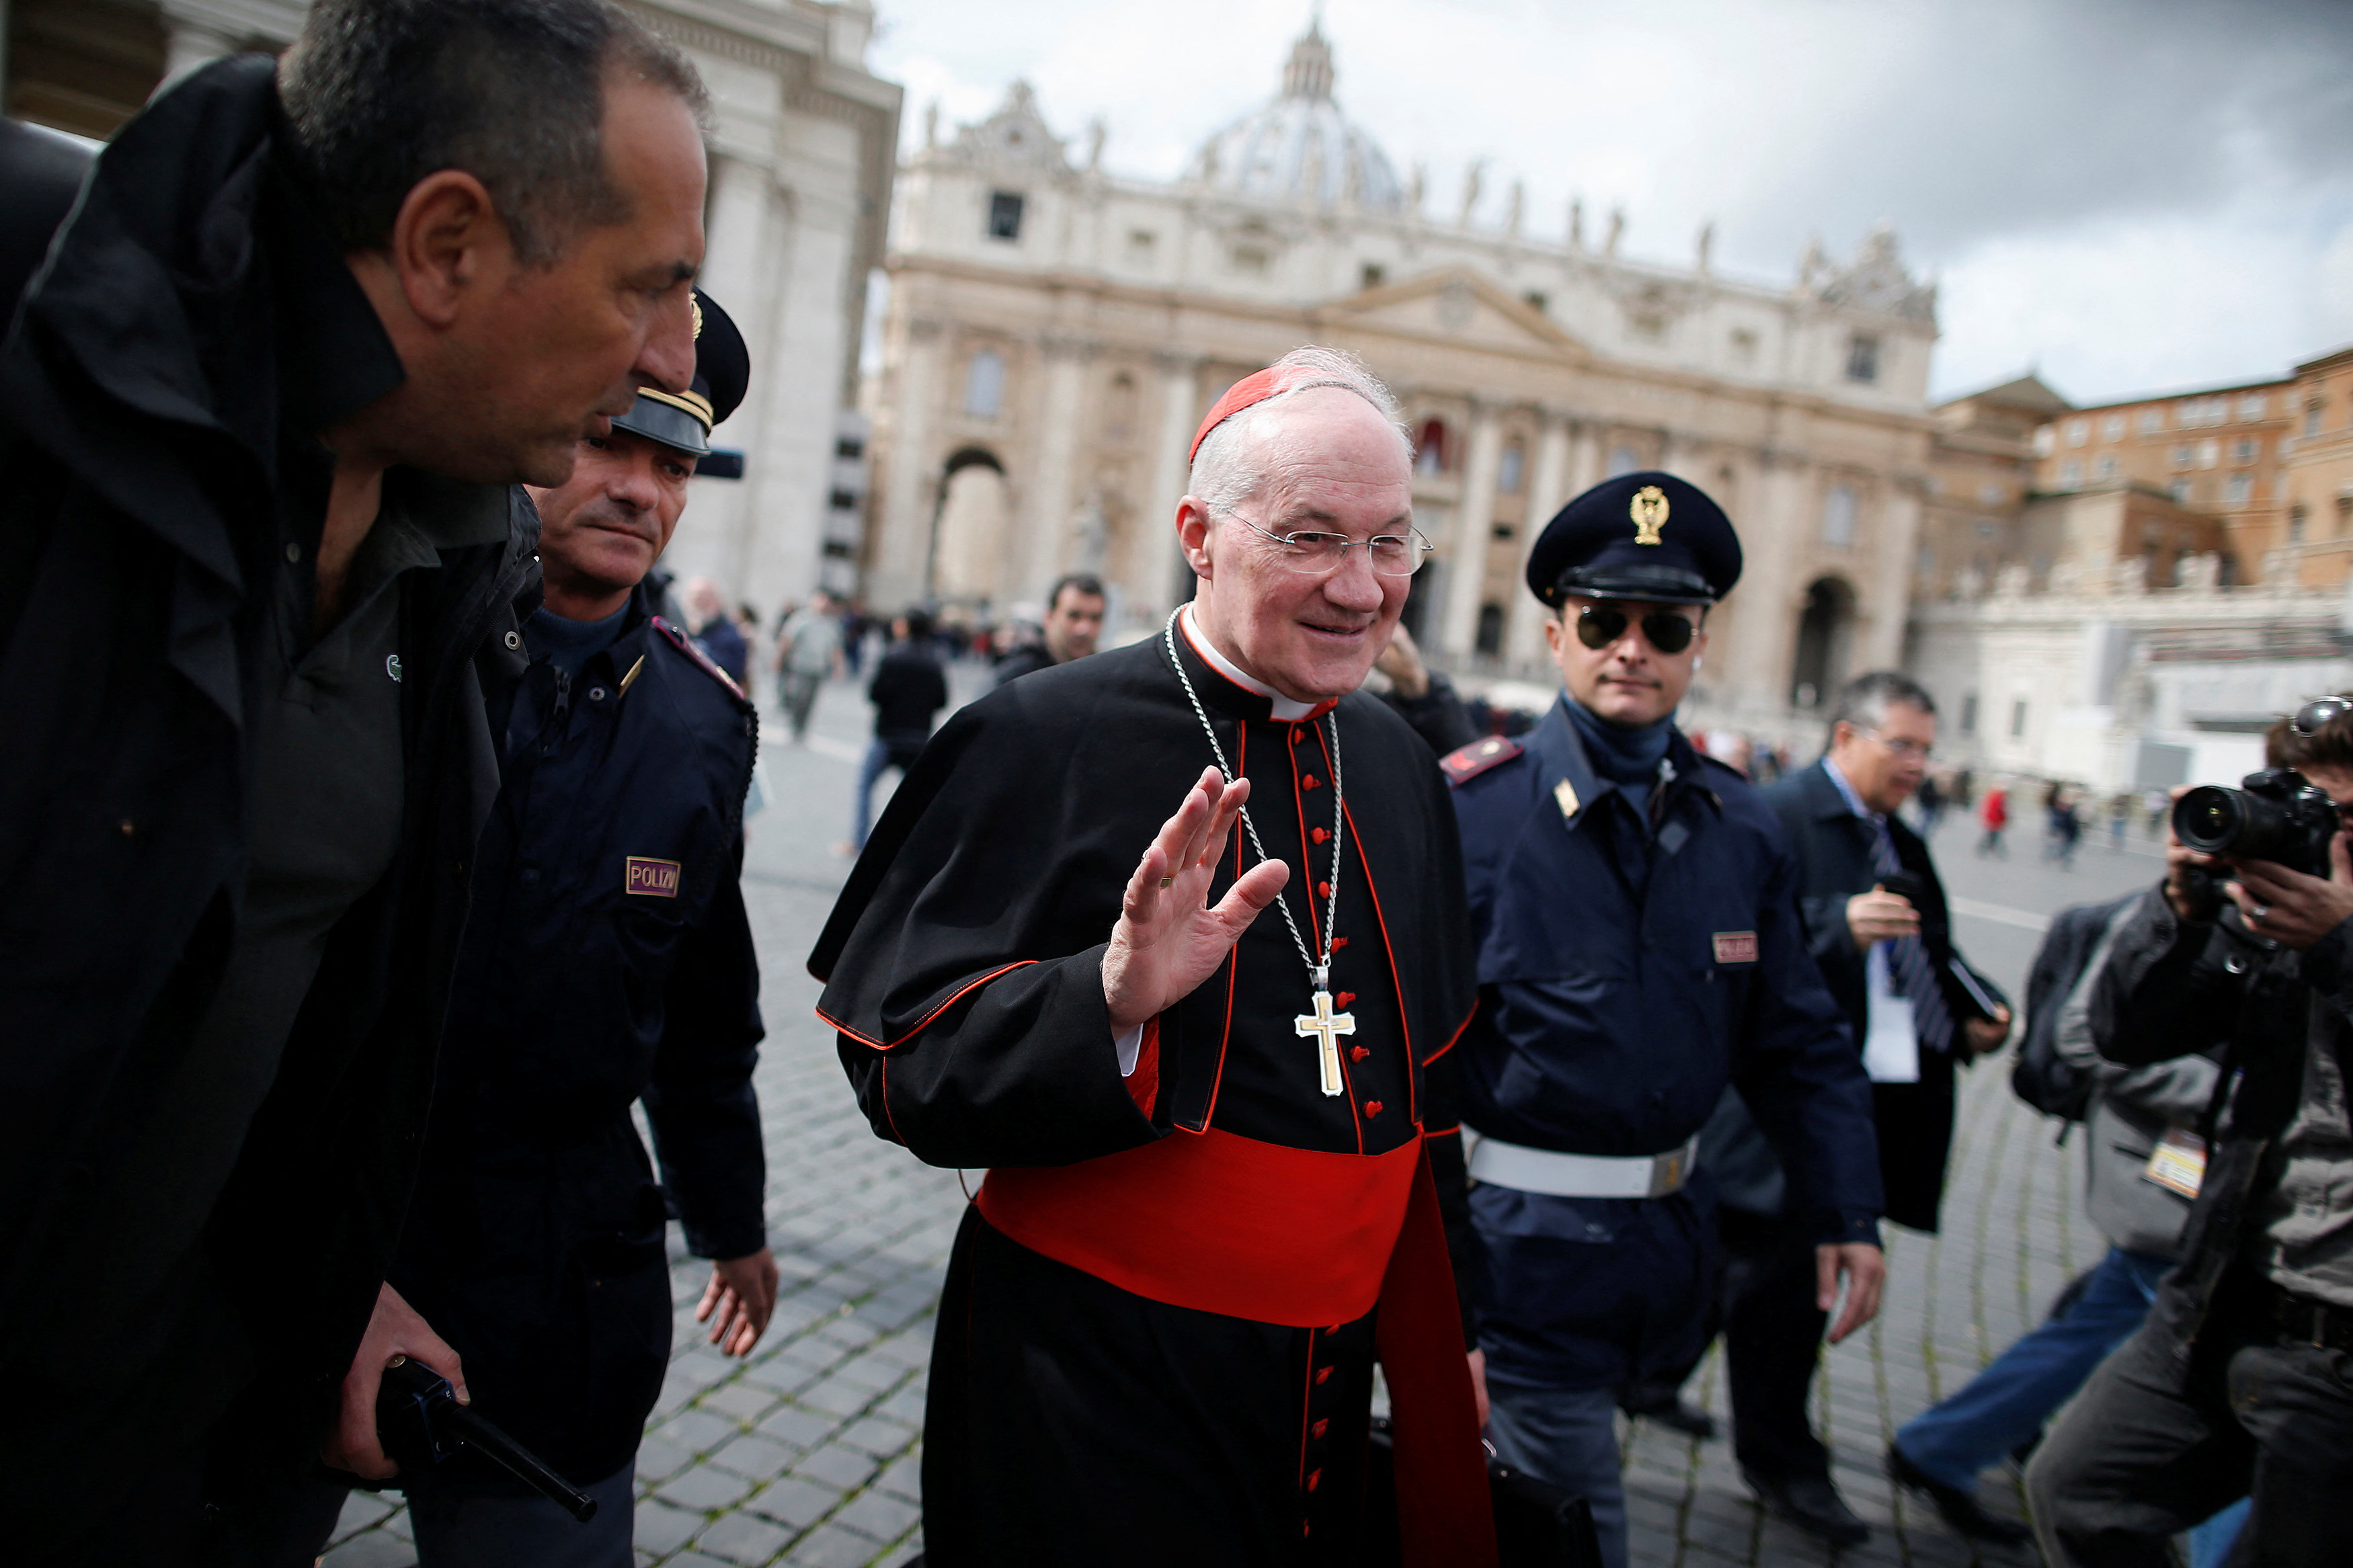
(2040, 1076)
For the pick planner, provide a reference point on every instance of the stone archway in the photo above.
(1825, 642)
(969, 528)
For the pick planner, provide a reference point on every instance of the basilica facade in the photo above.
(1055, 332)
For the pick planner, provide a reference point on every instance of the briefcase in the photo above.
(1537, 1525)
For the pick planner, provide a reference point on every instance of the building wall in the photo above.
(2117, 688)
(802, 153)
(2315, 544)
(1117, 311)
(2218, 450)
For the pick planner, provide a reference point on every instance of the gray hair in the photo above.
(1230, 468)
(381, 93)
(1863, 701)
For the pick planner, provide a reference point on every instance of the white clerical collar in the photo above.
(1279, 707)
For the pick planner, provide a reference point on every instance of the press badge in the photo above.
(2178, 1164)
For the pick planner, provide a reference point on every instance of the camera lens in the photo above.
(2208, 818)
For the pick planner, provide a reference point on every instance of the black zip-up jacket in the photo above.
(194, 329)
(610, 960)
(2173, 987)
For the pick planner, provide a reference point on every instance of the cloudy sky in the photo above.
(2129, 194)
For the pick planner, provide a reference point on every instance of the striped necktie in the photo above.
(1908, 962)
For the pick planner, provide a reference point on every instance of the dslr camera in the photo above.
(2277, 815)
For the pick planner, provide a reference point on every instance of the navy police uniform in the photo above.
(608, 961)
(1639, 949)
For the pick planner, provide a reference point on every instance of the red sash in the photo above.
(1229, 1224)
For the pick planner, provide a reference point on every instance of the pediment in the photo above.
(1458, 306)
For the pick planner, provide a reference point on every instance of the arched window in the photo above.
(1490, 629)
(1508, 473)
(1430, 454)
(1824, 633)
(984, 384)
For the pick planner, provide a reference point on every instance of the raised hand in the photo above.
(1168, 939)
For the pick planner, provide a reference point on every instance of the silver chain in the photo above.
(1320, 973)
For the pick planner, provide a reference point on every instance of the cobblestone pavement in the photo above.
(807, 1452)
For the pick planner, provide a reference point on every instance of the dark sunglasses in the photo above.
(1598, 625)
(2308, 719)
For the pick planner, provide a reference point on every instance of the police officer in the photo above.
(607, 960)
(1638, 948)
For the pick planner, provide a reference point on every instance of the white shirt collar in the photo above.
(1853, 801)
(1279, 706)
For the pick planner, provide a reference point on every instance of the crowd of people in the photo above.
(374, 843)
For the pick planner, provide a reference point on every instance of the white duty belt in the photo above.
(1562, 1175)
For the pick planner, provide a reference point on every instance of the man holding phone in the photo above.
(1876, 923)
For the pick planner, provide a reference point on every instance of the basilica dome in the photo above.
(1298, 148)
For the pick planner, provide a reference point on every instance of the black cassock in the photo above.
(1073, 1419)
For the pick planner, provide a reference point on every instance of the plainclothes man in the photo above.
(1075, 618)
(609, 960)
(1639, 949)
(1203, 1126)
(808, 649)
(908, 689)
(259, 420)
(1875, 921)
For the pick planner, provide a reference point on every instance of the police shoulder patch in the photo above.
(687, 646)
(1461, 767)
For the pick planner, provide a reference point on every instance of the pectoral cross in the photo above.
(1324, 1027)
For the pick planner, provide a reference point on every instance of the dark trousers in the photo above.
(2159, 1441)
(1772, 1338)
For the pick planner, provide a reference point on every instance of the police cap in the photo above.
(1648, 536)
(723, 368)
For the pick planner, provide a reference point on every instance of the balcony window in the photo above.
(1004, 216)
(1862, 358)
(1838, 517)
(984, 384)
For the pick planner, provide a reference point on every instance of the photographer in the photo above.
(2241, 1378)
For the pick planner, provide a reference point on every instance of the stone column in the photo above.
(1879, 642)
(1050, 496)
(748, 232)
(1474, 523)
(899, 555)
(1548, 492)
(1160, 577)
(1757, 664)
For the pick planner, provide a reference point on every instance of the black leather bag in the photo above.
(1537, 1525)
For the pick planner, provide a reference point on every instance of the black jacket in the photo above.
(192, 297)
(609, 960)
(908, 688)
(2173, 987)
(1834, 863)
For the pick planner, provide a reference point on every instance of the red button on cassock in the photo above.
(1317, 834)
(1345, 998)
(1322, 1373)
(1318, 1428)
(1338, 942)
(1315, 1479)
(1358, 1053)
(1307, 781)
(1372, 1107)
(1323, 890)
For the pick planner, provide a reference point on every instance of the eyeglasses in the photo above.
(1598, 625)
(1319, 554)
(1902, 746)
(2309, 718)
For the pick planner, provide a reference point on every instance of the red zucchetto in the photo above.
(1253, 389)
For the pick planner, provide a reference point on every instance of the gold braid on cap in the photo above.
(693, 403)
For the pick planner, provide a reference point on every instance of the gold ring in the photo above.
(1168, 881)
